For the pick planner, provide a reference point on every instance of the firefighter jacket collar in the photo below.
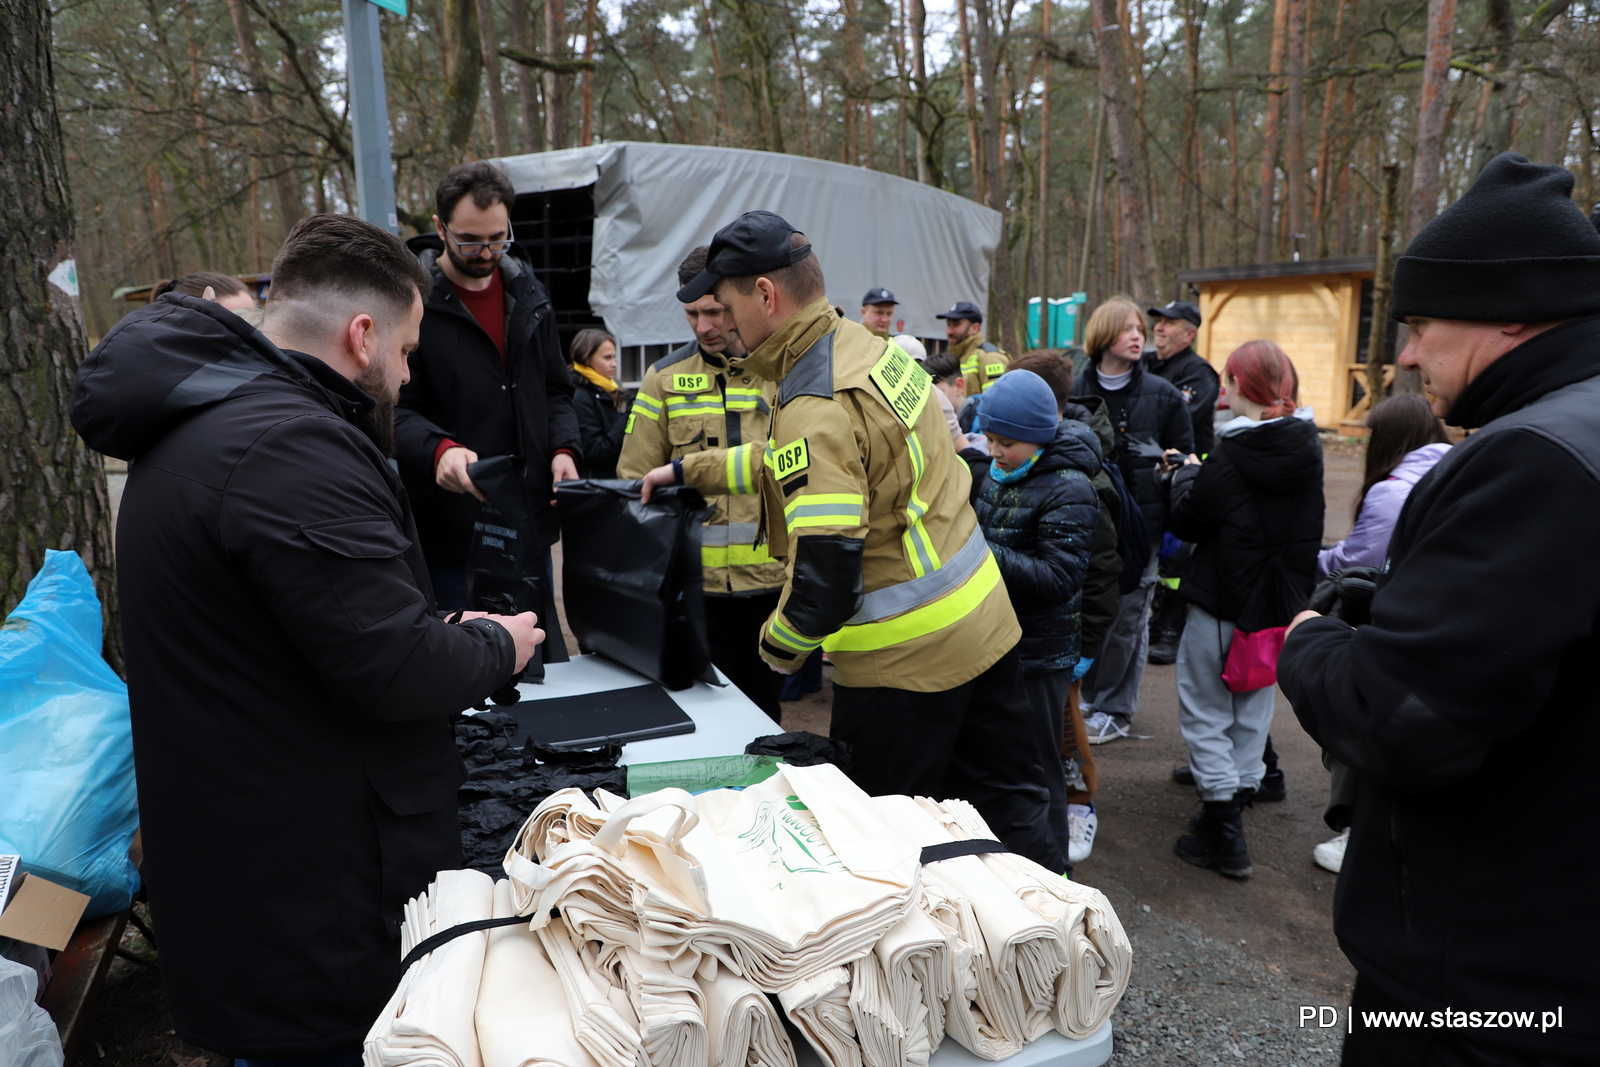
(775, 357)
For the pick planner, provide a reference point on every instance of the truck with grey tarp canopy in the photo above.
(608, 225)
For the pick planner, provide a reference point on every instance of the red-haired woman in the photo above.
(1254, 512)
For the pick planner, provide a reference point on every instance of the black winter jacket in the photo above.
(1102, 593)
(290, 685)
(1478, 669)
(1041, 531)
(1259, 495)
(460, 389)
(600, 427)
(1153, 413)
(1197, 383)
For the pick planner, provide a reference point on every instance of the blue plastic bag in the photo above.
(67, 801)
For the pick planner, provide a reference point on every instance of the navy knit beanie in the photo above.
(1019, 405)
(1514, 248)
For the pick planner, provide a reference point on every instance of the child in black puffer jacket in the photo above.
(1038, 509)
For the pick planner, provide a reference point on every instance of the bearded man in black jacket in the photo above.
(290, 682)
(1477, 665)
(488, 379)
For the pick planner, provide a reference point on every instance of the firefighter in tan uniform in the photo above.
(981, 362)
(866, 502)
(691, 401)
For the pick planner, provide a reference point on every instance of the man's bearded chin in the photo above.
(378, 424)
(476, 267)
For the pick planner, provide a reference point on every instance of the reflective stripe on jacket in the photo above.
(981, 363)
(864, 499)
(690, 405)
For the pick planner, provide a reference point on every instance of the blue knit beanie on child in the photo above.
(1019, 405)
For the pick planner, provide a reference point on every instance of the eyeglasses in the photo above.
(475, 248)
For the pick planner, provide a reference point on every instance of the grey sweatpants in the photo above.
(1112, 684)
(1226, 732)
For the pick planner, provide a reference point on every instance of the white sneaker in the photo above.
(1103, 728)
(1082, 822)
(1329, 855)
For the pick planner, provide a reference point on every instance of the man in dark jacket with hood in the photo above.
(488, 379)
(1478, 659)
(289, 679)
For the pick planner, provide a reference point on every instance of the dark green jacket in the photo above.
(1101, 595)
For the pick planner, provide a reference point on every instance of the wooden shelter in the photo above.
(1318, 310)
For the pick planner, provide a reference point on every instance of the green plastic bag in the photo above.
(699, 775)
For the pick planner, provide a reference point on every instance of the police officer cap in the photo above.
(878, 295)
(1179, 309)
(756, 242)
(962, 309)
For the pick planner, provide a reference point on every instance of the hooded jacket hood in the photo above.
(1074, 448)
(168, 360)
(1276, 456)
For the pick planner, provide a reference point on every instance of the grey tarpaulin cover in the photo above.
(655, 202)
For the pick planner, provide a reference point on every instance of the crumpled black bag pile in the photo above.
(505, 783)
(802, 748)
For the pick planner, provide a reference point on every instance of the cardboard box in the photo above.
(42, 913)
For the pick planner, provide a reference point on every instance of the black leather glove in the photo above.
(1346, 595)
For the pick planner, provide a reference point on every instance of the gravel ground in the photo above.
(1197, 1000)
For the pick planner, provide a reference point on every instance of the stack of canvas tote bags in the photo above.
(657, 926)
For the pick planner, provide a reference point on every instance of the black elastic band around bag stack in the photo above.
(445, 936)
(956, 849)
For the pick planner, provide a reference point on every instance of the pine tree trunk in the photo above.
(1294, 149)
(289, 205)
(52, 485)
(489, 42)
(1271, 134)
(556, 86)
(527, 93)
(970, 94)
(1133, 225)
(463, 65)
(1431, 106)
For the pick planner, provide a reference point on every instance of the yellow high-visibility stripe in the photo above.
(647, 406)
(919, 622)
(741, 469)
(748, 555)
(780, 634)
(739, 399)
(714, 555)
(693, 405)
(920, 552)
(823, 509)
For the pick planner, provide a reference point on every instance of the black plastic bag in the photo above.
(632, 577)
(802, 748)
(504, 783)
(505, 561)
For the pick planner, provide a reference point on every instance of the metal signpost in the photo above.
(369, 111)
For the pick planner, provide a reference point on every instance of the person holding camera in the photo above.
(1254, 512)
(1475, 665)
(1149, 417)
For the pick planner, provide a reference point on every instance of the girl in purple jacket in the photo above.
(1407, 440)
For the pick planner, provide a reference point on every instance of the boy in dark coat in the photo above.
(1037, 508)
(1477, 665)
(290, 682)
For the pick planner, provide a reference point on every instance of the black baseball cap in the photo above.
(754, 243)
(878, 295)
(962, 309)
(1178, 309)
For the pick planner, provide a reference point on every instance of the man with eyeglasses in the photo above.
(488, 379)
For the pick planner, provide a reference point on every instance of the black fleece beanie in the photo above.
(1514, 248)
